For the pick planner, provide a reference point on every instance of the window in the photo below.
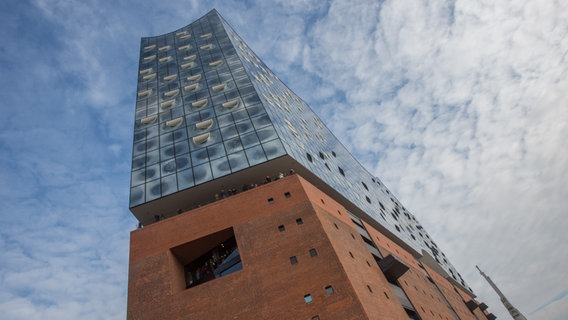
(336, 227)
(309, 156)
(293, 260)
(313, 252)
(299, 221)
(329, 290)
(351, 254)
(368, 200)
(333, 154)
(369, 287)
(322, 156)
(287, 195)
(208, 258)
(281, 228)
(352, 236)
(308, 298)
(364, 185)
(341, 171)
(386, 295)
(368, 263)
(270, 200)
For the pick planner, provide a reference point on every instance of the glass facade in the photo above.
(207, 107)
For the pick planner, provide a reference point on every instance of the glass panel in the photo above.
(274, 149)
(255, 155)
(152, 157)
(249, 140)
(220, 167)
(136, 195)
(233, 145)
(153, 172)
(185, 179)
(216, 151)
(169, 184)
(244, 127)
(202, 173)
(153, 190)
(168, 167)
(228, 132)
(267, 134)
(138, 177)
(238, 161)
(199, 157)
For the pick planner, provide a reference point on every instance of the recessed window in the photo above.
(287, 195)
(281, 228)
(333, 154)
(368, 263)
(329, 290)
(322, 156)
(309, 156)
(323, 202)
(293, 260)
(364, 185)
(352, 236)
(351, 254)
(327, 166)
(299, 221)
(313, 252)
(270, 200)
(369, 287)
(386, 295)
(341, 171)
(208, 258)
(368, 200)
(308, 298)
(336, 227)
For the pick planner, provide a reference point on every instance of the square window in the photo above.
(329, 290)
(281, 228)
(271, 200)
(299, 221)
(287, 195)
(293, 260)
(313, 252)
(308, 298)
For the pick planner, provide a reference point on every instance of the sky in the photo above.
(458, 106)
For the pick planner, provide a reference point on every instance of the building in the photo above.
(324, 239)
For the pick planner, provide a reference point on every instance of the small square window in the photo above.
(287, 195)
(281, 228)
(329, 290)
(293, 260)
(271, 200)
(299, 221)
(308, 298)
(313, 252)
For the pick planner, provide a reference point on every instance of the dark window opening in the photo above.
(270, 200)
(368, 200)
(322, 156)
(329, 290)
(368, 264)
(386, 295)
(333, 154)
(309, 156)
(293, 260)
(313, 252)
(369, 287)
(299, 221)
(341, 171)
(327, 166)
(364, 185)
(412, 315)
(336, 227)
(308, 298)
(287, 195)
(352, 236)
(351, 254)
(281, 228)
(209, 258)
(322, 201)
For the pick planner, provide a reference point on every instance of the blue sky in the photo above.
(458, 106)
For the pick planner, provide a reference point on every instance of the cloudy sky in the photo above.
(460, 107)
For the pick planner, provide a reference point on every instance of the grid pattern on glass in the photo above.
(198, 116)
